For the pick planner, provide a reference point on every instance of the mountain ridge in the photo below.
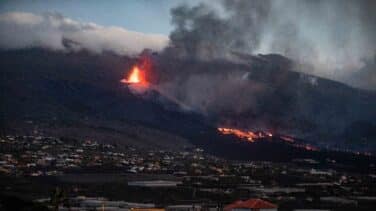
(83, 87)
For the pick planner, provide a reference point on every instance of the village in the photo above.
(90, 175)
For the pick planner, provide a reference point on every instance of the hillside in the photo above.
(79, 94)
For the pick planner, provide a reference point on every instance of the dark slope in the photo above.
(319, 110)
(79, 95)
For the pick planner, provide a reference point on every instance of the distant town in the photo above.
(70, 174)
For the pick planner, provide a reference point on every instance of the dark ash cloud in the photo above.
(201, 33)
(331, 39)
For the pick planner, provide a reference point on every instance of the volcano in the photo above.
(79, 95)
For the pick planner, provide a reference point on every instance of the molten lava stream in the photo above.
(248, 135)
(245, 134)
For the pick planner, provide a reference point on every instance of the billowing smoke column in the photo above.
(201, 33)
(333, 39)
(212, 63)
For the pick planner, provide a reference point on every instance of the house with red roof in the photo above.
(251, 205)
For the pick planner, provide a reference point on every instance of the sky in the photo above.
(147, 16)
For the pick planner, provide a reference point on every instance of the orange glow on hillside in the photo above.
(245, 134)
(249, 135)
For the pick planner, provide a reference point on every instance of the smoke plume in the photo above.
(332, 39)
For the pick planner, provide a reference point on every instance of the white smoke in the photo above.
(54, 31)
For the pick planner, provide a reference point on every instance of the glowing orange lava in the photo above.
(258, 135)
(244, 134)
(249, 135)
(136, 76)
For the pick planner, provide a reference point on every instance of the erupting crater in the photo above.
(135, 77)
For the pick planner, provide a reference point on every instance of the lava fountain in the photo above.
(136, 81)
(136, 76)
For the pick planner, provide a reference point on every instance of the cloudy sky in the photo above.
(146, 16)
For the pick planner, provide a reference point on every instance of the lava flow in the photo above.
(251, 136)
(248, 135)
